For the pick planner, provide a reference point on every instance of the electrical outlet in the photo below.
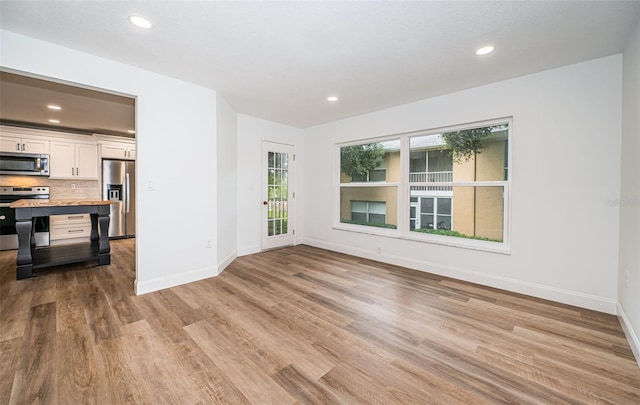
(73, 186)
(626, 278)
(378, 250)
(209, 244)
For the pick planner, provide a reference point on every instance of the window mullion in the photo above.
(404, 201)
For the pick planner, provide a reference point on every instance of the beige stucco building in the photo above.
(473, 211)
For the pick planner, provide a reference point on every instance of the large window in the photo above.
(361, 202)
(449, 186)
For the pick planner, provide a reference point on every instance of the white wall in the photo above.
(227, 163)
(629, 295)
(176, 140)
(251, 132)
(565, 173)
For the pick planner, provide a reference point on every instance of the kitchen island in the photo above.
(29, 258)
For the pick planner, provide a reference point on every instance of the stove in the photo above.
(8, 234)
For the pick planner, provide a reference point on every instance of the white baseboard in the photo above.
(227, 261)
(161, 283)
(249, 250)
(536, 290)
(632, 338)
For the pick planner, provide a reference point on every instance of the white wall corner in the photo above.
(632, 338)
(161, 283)
(227, 261)
(249, 250)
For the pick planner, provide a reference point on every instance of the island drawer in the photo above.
(71, 226)
(70, 219)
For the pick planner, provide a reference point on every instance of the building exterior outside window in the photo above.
(448, 197)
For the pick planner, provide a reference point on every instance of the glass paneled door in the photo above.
(278, 202)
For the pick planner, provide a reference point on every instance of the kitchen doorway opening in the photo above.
(71, 114)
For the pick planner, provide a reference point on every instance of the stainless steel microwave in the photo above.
(24, 164)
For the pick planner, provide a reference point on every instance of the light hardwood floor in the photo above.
(299, 325)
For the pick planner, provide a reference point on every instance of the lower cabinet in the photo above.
(66, 229)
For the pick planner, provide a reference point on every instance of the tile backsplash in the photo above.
(59, 189)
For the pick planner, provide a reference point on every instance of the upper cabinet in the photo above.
(73, 160)
(71, 156)
(22, 144)
(118, 150)
(113, 147)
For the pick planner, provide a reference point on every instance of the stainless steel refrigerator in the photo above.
(118, 185)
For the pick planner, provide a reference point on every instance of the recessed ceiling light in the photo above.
(332, 98)
(140, 21)
(485, 50)
(54, 107)
(54, 121)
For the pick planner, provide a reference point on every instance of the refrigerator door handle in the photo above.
(128, 195)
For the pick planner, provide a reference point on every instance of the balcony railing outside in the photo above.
(431, 177)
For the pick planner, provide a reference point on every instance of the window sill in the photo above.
(451, 241)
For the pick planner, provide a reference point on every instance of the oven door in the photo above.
(8, 234)
(8, 237)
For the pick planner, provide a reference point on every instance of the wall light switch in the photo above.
(151, 186)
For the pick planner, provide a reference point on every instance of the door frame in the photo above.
(272, 242)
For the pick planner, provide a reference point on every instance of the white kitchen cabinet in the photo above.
(71, 160)
(118, 150)
(73, 228)
(19, 144)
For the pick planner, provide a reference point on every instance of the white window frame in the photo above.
(404, 187)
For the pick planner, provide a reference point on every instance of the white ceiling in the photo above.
(280, 60)
(24, 101)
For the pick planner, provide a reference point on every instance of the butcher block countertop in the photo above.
(35, 203)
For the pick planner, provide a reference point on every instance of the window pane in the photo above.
(444, 222)
(376, 218)
(358, 206)
(426, 221)
(418, 162)
(378, 204)
(278, 230)
(358, 217)
(470, 212)
(440, 161)
(428, 159)
(426, 205)
(484, 163)
(285, 161)
(444, 206)
(272, 160)
(358, 161)
(378, 208)
(378, 175)
(278, 159)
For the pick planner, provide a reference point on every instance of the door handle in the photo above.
(265, 203)
(2, 217)
(128, 194)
